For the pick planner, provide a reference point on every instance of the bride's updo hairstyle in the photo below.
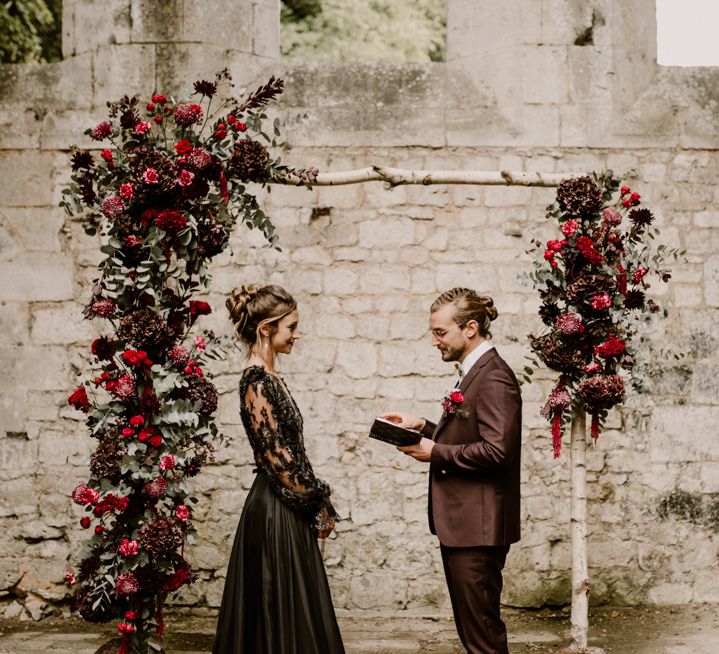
(254, 305)
(468, 306)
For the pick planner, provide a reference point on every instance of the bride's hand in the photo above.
(404, 420)
(326, 526)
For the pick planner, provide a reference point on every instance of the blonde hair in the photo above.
(468, 306)
(253, 305)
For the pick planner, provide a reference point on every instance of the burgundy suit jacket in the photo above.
(475, 464)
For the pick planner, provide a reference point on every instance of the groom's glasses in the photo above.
(441, 333)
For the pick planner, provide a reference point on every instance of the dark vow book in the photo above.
(389, 432)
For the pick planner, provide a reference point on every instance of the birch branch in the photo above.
(398, 176)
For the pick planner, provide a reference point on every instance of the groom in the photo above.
(474, 457)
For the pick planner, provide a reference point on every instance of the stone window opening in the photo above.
(398, 31)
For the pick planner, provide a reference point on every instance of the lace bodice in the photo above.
(273, 424)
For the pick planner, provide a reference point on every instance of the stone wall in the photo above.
(365, 263)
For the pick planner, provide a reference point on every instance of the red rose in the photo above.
(570, 228)
(85, 522)
(150, 106)
(150, 176)
(106, 155)
(456, 397)
(144, 435)
(639, 273)
(182, 513)
(158, 119)
(99, 530)
(220, 134)
(242, 127)
(199, 308)
(128, 431)
(136, 421)
(79, 399)
(127, 192)
(185, 178)
(155, 441)
(183, 147)
(549, 255)
(130, 615)
(159, 99)
(624, 190)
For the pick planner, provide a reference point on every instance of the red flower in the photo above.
(624, 190)
(592, 367)
(83, 495)
(159, 99)
(549, 255)
(634, 198)
(85, 522)
(171, 221)
(220, 134)
(142, 127)
(136, 421)
(99, 529)
(103, 308)
(128, 547)
(101, 131)
(600, 302)
(612, 347)
(79, 399)
(178, 354)
(150, 176)
(127, 192)
(135, 357)
(123, 389)
(188, 114)
(167, 462)
(132, 240)
(112, 207)
(177, 579)
(158, 119)
(611, 217)
(128, 431)
(200, 343)
(199, 308)
(556, 245)
(155, 440)
(103, 348)
(150, 106)
(183, 147)
(570, 228)
(126, 584)
(456, 397)
(242, 127)
(107, 156)
(130, 615)
(70, 579)
(639, 273)
(182, 513)
(125, 628)
(185, 178)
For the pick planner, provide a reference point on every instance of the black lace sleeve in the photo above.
(275, 429)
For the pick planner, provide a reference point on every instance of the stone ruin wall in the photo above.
(365, 263)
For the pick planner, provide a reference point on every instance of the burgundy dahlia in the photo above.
(601, 391)
(79, 399)
(205, 88)
(103, 348)
(249, 161)
(144, 329)
(171, 221)
(82, 160)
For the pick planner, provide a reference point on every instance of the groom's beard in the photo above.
(450, 353)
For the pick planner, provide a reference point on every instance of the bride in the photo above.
(276, 598)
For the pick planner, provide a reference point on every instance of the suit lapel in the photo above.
(464, 384)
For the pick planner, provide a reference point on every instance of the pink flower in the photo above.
(101, 131)
(600, 302)
(112, 207)
(200, 343)
(179, 355)
(185, 178)
(83, 495)
(123, 389)
(69, 578)
(103, 308)
(188, 114)
(167, 462)
(125, 628)
(199, 158)
(639, 273)
(559, 400)
(611, 217)
(570, 228)
(569, 324)
(128, 547)
(156, 488)
(182, 513)
(592, 367)
(126, 584)
(132, 240)
(150, 176)
(142, 127)
(127, 192)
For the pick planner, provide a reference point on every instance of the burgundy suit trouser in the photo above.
(474, 579)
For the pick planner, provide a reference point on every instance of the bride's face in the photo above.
(288, 331)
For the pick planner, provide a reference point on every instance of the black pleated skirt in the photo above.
(276, 598)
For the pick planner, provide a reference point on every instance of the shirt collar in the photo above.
(474, 355)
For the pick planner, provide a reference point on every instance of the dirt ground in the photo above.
(692, 629)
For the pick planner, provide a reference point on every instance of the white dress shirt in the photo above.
(473, 356)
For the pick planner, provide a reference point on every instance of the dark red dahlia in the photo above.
(180, 577)
(205, 88)
(82, 160)
(161, 536)
(171, 221)
(126, 584)
(103, 348)
(579, 197)
(79, 399)
(101, 131)
(249, 161)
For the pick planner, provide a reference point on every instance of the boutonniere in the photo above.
(452, 403)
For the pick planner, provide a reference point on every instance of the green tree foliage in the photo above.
(30, 31)
(351, 30)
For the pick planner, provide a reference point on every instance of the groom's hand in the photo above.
(421, 451)
(404, 420)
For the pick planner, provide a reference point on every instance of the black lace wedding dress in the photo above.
(276, 598)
